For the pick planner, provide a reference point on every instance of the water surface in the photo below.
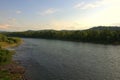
(64, 60)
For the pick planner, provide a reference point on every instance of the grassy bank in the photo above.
(9, 70)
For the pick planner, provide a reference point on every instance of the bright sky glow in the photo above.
(19, 15)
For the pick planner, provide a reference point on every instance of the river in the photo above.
(64, 60)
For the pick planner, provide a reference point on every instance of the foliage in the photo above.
(5, 56)
(105, 35)
(4, 38)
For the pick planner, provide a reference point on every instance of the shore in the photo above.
(12, 70)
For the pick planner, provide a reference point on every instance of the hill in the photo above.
(105, 28)
(100, 34)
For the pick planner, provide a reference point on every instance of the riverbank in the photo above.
(12, 71)
(9, 69)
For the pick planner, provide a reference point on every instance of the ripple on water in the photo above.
(62, 60)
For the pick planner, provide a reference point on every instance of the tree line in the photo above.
(105, 36)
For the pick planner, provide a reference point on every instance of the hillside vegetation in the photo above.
(101, 34)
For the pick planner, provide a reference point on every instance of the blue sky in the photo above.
(20, 15)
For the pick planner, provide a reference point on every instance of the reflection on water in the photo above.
(62, 60)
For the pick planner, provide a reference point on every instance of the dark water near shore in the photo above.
(63, 60)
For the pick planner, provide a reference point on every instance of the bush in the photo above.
(5, 56)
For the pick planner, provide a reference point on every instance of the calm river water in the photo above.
(64, 60)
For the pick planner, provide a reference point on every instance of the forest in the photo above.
(101, 34)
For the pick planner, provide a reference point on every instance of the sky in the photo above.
(21, 15)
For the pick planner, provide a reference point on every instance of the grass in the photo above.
(6, 62)
(6, 75)
(5, 56)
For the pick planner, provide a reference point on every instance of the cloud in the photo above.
(49, 11)
(12, 21)
(107, 14)
(95, 4)
(83, 5)
(111, 13)
(79, 5)
(4, 26)
(18, 12)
